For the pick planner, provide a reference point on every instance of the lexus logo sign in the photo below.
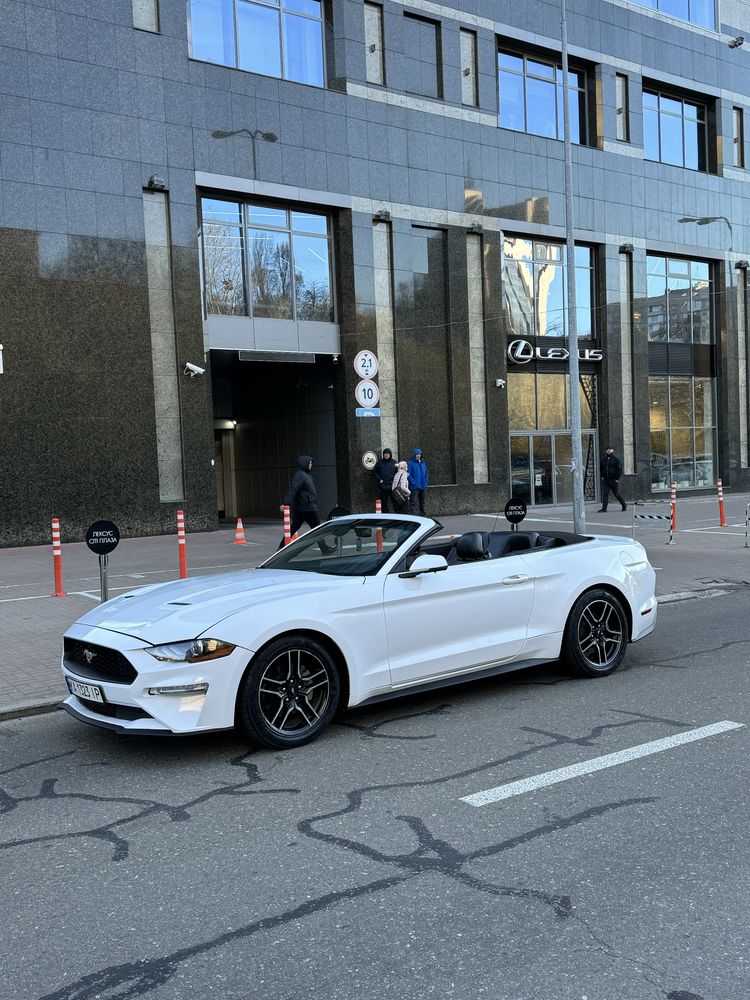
(523, 351)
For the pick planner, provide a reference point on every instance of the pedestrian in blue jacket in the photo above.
(419, 480)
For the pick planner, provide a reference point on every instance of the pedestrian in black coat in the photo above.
(611, 470)
(302, 498)
(384, 471)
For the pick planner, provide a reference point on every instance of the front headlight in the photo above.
(193, 651)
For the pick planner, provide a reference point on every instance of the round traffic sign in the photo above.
(366, 364)
(369, 460)
(367, 393)
(102, 537)
(515, 510)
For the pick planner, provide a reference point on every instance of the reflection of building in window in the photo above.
(280, 255)
(282, 39)
(700, 12)
(531, 96)
(678, 306)
(535, 289)
(674, 131)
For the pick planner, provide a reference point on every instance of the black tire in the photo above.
(289, 694)
(596, 636)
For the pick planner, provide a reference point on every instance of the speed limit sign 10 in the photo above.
(367, 393)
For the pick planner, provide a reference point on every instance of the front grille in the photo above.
(106, 664)
(126, 713)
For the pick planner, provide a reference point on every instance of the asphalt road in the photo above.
(351, 868)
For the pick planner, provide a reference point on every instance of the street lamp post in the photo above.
(579, 511)
(252, 136)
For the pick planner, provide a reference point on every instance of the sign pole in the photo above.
(579, 512)
(103, 581)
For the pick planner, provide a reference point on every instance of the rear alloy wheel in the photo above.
(289, 693)
(596, 637)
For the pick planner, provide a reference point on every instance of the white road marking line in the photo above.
(597, 764)
(709, 531)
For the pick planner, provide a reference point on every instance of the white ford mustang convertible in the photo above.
(362, 608)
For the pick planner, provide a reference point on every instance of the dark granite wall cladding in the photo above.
(91, 108)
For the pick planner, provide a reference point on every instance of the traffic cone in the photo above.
(294, 537)
(239, 534)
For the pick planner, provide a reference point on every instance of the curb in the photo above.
(25, 708)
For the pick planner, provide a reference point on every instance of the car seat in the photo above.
(473, 546)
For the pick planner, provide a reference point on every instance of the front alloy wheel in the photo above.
(596, 636)
(289, 693)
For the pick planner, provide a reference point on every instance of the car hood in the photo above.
(185, 609)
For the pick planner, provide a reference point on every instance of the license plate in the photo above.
(91, 692)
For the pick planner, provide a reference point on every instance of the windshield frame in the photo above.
(424, 528)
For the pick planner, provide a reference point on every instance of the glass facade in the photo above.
(283, 39)
(683, 431)
(266, 261)
(535, 289)
(541, 445)
(674, 131)
(531, 96)
(701, 12)
(682, 413)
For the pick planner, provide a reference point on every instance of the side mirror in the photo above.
(425, 564)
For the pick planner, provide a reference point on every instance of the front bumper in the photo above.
(130, 709)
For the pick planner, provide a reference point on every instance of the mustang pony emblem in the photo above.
(88, 655)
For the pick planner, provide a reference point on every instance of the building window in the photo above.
(701, 12)
(424, 57)
(374, 46)
(674, 130)
(738, 137)
(679, 301)
(283, 39)
(469, 89)
(531, 97)
(266, 261)
(623, 109)
(535, 289)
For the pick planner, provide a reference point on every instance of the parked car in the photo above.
(363, 608)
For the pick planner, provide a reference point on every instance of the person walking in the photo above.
(611, 470)
(400, 492)
(419, 480)
(384, 471)
(302, 499)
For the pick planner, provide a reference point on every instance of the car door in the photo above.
(467, 616)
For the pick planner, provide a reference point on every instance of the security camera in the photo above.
(335, 359)
(193, 370)
(500, 383)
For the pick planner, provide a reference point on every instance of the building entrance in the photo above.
(540, 467)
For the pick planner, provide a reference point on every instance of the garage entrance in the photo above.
(266, 413)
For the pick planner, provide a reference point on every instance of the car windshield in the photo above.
(345, 548)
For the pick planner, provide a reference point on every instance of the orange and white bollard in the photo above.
(239, 533)
(287, 525)
(379, 531)
(673, 502)
(57, 559)
(181, 544)
(722, 512)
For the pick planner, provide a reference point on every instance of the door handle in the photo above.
(511, 581)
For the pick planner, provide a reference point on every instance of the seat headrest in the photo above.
(472, 546)
(519, 541)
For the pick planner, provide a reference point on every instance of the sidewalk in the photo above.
(703, 557)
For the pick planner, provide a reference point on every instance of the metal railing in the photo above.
(655, 517)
